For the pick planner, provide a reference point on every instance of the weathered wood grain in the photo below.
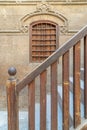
(76, 84)
(31, 107)
(43, 79)
(54, 96)
(12, 104)
(65, 75)
(85, 77)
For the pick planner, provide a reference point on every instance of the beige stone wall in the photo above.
(15, 19)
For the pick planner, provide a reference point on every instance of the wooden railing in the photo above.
(14, 88)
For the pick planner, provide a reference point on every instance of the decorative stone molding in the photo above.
(63, 29)
(24, 28)
(29, 2)
(44, 9)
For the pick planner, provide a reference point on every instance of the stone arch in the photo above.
(44, 11)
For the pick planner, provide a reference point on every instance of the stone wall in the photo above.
(15, 18)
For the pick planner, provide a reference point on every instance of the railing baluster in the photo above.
(54, 96)
(65, 74)
(43, 78)
(76, 84)
(85, 76)
(31, 103)
(12, 101)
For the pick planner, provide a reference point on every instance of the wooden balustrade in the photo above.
(31, 103)
(43, 100)
(65, 74)
(12, 101)
(14, 89)
(85, 76)
(76, 84)
(54, 96)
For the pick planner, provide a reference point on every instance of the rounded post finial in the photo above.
(12, 71)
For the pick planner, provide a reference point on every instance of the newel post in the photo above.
(12, 100)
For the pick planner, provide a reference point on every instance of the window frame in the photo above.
(30, 36)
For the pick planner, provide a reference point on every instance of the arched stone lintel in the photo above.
(60, 16)
(44, 9)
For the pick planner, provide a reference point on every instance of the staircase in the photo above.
(64, 107)
(23, 119)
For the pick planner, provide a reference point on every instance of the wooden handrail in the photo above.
(14, 89)
(51, 59)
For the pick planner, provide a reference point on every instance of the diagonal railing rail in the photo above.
(13, 88)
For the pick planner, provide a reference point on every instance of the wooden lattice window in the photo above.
(43, 40)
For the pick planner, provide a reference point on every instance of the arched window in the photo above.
(43, 40)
